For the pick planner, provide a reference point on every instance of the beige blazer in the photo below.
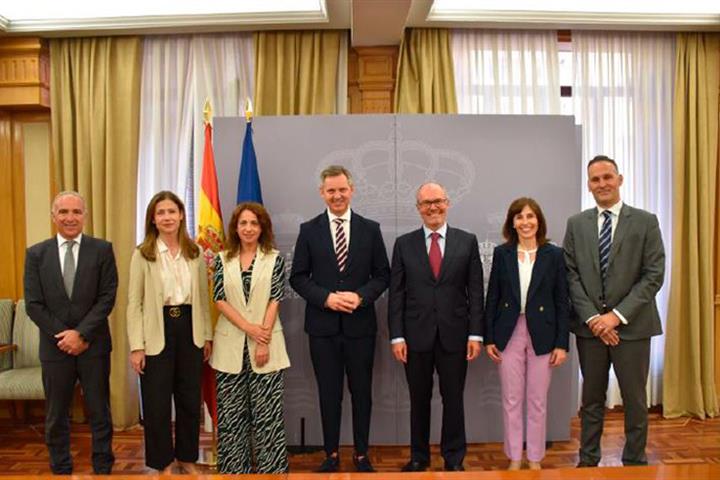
(229, 341)
(145, 326)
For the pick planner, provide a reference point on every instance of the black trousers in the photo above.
(332, 358)
(59, 380)
(452, 369)
(173, 373)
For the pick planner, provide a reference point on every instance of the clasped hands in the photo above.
(71, 342)
(603, 326)
(345, 302)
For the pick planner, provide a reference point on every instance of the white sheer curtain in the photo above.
(166, 113)
(179, 74)
(506, 72)
(622, 97)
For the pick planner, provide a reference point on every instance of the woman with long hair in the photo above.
(249, 347)
(526, 333)
(170, 333)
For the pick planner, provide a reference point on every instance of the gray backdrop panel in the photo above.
(483, 161)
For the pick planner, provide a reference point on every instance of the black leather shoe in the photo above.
(362, 464)
(413, 466)
(454, 468)
(329, 465)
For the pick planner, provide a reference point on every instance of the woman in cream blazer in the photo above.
(169, 331)
(249, 347)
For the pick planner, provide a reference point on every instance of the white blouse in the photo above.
(175, 274)
(525, 267)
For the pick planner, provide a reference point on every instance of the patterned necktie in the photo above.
(341, 250)
(604, 245)
(435, 255)
(69, 267)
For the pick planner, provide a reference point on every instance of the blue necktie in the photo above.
(604, 245)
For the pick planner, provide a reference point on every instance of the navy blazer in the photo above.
(423, 308)
(547, 306)
(315, 275)
(93, 295)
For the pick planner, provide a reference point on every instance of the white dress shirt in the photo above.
(345, 226)
(614, 217)
(62, 248)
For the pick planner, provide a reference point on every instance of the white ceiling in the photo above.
(372, 22)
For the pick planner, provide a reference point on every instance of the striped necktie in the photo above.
(341, 250)
(604, 245)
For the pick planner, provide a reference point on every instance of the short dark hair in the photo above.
(516, 207)
(603, 158)
(267, 238)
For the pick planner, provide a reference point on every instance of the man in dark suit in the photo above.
(616, 264)
(70, 285)
(436, 323)
(340, 268)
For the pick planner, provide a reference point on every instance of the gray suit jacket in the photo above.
(93, 295)
(635, 272)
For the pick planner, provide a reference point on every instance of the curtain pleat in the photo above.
(425, 80)
(95, 84)
(296, 72)
(689, 377)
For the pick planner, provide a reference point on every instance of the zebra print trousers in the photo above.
(251, 430)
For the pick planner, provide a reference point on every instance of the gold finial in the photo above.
(248, 110)
(207, 111)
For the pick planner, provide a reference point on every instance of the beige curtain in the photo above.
(95, 87)
(689, 384)
(425, 80)
(296, 72)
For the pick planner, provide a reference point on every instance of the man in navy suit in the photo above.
(436, 323)
(70, 285)
(340, 268)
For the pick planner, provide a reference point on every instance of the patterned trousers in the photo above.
(251, 430)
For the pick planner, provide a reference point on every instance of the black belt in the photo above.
(177, 311)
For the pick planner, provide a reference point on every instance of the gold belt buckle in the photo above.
(175, 312)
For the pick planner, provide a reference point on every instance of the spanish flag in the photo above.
(210, 238)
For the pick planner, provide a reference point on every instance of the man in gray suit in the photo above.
(70, 285)
(616, 263)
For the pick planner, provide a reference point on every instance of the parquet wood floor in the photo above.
(670, 442)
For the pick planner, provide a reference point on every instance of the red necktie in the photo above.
(435, 255)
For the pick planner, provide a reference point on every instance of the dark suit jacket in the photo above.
(93, 298)
(547, 305)
(635, 273)
(315, 275)
(422, 308)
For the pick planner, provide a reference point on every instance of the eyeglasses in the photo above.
(437, 202)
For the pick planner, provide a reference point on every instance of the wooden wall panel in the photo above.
(371, 79)
(12, 207)
(24, 73)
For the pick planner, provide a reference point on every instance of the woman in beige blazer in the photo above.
(170, 334)
(249, 347)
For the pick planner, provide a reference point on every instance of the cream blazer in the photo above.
(145, 326)
(229, 341)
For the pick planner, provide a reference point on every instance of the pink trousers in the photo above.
(524, 373)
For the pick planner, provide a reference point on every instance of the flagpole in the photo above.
(209, 458)
(248, 110)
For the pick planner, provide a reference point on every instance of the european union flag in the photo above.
(249, 180)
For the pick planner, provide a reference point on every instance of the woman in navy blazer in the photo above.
(526, 333)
